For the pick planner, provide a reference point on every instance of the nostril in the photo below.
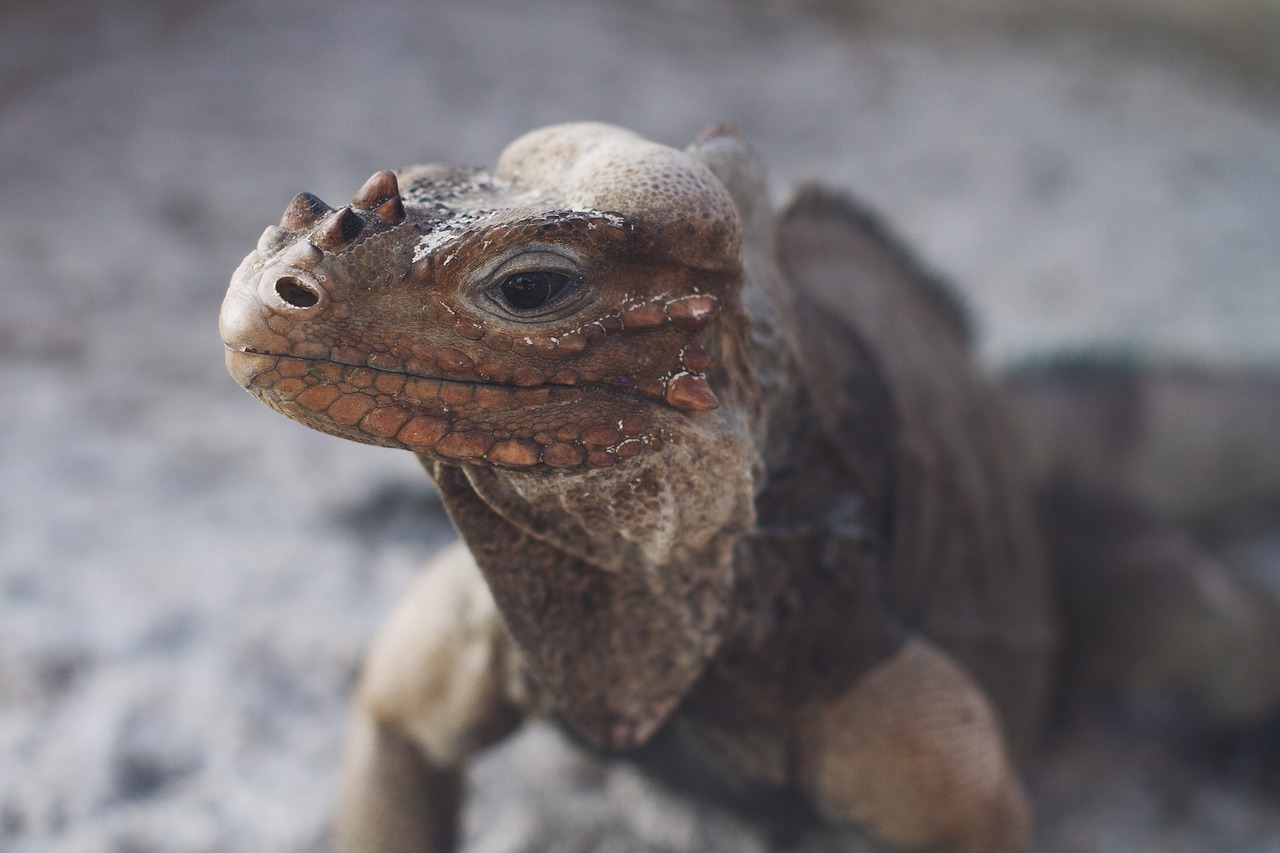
(295, 293)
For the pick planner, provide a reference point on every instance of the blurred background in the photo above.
(187, 580)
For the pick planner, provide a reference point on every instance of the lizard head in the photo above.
(568, 311)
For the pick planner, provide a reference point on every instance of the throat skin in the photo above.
(616, 585)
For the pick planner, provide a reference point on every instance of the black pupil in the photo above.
(529, 290)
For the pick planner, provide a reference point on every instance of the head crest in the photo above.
(670, 198)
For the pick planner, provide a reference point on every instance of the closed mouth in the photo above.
(353, 378)
(625, 386)
(552, 426)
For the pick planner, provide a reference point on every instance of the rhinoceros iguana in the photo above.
(734, 497)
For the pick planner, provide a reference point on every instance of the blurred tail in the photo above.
(1129, 456)
(1149, 613)
(1199, 446)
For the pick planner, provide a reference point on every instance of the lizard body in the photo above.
(734, 494)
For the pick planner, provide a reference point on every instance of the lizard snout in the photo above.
(263, 306)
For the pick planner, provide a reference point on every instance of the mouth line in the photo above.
(585, 386)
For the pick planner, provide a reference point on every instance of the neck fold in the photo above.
(615, 584)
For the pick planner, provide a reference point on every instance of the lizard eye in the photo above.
(528, 291)
(533, 284)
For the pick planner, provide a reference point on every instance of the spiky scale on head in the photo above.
(338, 229)
(381, 186)
(304, 211)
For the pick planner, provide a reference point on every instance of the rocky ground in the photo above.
(187, 580)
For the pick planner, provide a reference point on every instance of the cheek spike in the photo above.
(691, 393)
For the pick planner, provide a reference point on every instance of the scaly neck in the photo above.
(615, 584)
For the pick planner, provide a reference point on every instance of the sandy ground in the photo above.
(187, 580)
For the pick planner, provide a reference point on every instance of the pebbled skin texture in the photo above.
(734, 499)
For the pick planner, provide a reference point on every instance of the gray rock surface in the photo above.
(187, 580)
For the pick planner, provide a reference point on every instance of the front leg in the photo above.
(914, 754)
(440, 682)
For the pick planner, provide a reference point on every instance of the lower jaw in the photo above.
(546, 427)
